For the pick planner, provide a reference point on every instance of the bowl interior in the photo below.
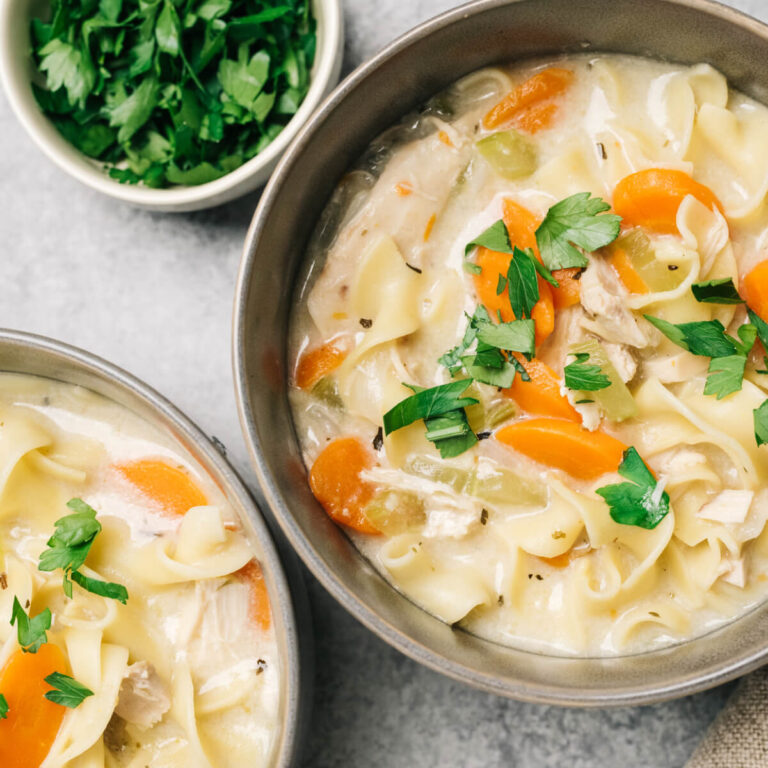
(17, 72)
(25, 353)
(372, 99)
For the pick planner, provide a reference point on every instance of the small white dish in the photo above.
(16, 71)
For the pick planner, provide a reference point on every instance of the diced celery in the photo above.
(498, 412)
(327, 390)
(499, 486)
(394, 512)
(510, 154)
(641, 254)
(438, 471)
(616, 401)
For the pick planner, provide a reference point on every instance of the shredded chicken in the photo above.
(622, 359)
(144, 697)
(604, 299)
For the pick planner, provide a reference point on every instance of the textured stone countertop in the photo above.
(153, 294)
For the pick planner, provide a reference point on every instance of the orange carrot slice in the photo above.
(628, 275)
(318, 362)
(521, 225)
(335, 481)
(564, 445)
(651, 198)
(541, 395)
(536, 118)
(754, 287)
(260, 611)
(170, 487)
(27, 734)
(569, 291)
(540, 88)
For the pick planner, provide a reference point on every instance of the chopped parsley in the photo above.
(30, 631)
(68, 549)
(640, 501)
(579, 220)
(719, 291)
(760, 416)
(166, 93)
(66, 690)
(3, 707)
(583, 377)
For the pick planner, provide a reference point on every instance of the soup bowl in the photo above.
(38, 356)
(374, 97)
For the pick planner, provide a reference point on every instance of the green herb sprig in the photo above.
(30, 630)
(167, 93)
(584, 377)
(66, 690)
(3, 707)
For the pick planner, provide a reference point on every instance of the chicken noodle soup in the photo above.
(135, 627)
(529, 374)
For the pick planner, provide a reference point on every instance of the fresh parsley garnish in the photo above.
(3, 707)
(719, 291)
(495, 238)
(167, 93)
(760, 416)
(515, 336)
(68, 549)
(760, 326)
(579, 220)
(442, 409)
(30, 631)
(66, 690)
(637, 502)
(490, 365)
(583, 377)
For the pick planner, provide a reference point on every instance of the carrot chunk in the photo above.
(528, 102)
(536, 118)
(335, 481)
(650, 198)
(318, 362)
(754, 287)
(170, 487)
(564, 445)
(541, 395)
(568, 292)
(260, 612)
(27, 734)
(521, 225)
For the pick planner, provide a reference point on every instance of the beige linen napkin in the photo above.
(738, 737)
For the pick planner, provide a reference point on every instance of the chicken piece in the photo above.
(622, 360)
(144, 697)
(604, 299)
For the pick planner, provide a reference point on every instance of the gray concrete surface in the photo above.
(153, 293)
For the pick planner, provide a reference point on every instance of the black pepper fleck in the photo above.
(410, 266)
(672, 267)
(366, 322)
(484, 517)
(539, 577)
(378, 441)
(483, 435)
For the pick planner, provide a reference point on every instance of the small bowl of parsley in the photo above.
(173, 105)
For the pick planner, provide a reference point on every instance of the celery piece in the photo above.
(616, 401)
(438, 471)
(511, 155)
(327, 390)
(394, 512)
(498, 412)
(499, 486)
(656, 274)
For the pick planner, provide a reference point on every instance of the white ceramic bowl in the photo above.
(16, 69)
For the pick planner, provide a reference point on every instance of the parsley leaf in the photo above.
(579, 220)
(30, 632)
(168, 29)
(522, 283)
(103, 588)
(585, 378)
(67, 67)
(760, 326)
(637, 502)
(705, 337)
(452, 358)
(495, 238)
(760, 416)
(66, 690)
(451, 433)
(515, 336)
(725, 375)
(426, 403)
(3, 707)
(719, 291)
(490, 366)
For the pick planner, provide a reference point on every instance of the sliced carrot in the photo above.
(628, 275)
(403, 189)
(318, 362)
(541, 395)
(568, 292)
(335, 481)
(754, 287)
(260, 611)
(564, 445)
(169, 486)
(540, 88)
(651, 198)
(536, 118)
(521, 225)
(27, 734)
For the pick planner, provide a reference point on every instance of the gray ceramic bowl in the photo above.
(374, 97)
(39, 356)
